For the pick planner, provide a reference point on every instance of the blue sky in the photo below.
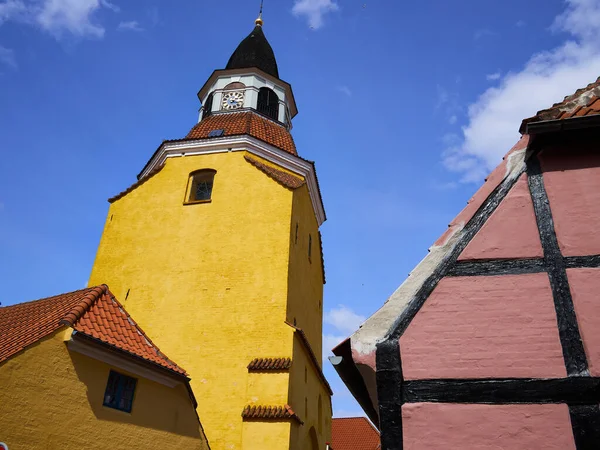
(405, 106)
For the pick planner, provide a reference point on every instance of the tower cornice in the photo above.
(191, 147)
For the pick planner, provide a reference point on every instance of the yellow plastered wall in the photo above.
(207, 282)
(305, 389)
(305, 282)
(52, 399)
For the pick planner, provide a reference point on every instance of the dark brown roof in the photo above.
(584, 102)
(312, 356)
(270, 364)
(254, 51)
(270, 413)
(284, 178)
(93, 312)
(245, 122)
(354, 433)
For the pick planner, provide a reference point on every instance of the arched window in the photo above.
(207, 107)
(200, 186)
(268, 103)
(235, 85)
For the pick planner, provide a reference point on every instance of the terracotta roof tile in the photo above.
(246, 122)
(285, 179)
(312, 356)
(94, 312)
(584, 102)
(268, 364)
(270, 413)
(354, 433)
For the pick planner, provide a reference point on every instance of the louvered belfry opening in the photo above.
(207, 110)
(268, 103)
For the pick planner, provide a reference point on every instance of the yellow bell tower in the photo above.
(216, 252)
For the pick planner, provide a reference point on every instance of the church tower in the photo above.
(216, 252)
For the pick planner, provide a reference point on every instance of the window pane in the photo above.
(119, 391)
(203, 190)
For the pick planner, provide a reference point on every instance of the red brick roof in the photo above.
(270, 412)
(354, 433)
(93, 312)
(584, 102)
(285, 179)
(247, 122)
(264, 364)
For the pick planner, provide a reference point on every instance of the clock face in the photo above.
(233, 100)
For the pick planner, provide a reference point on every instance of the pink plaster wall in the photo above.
(491, 183)
(511, 231)
(434, 426)
(585, 289)
(572, 179)
(485, 327)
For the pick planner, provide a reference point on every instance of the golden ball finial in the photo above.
(259, 22)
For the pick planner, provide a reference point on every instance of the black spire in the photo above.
(255, 51)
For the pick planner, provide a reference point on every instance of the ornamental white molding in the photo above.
(113, 359)
(180, 149)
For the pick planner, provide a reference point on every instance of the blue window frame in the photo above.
(119, 391)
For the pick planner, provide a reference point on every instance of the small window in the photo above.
(309, 247)
(200, 186)
(119, 392)
(296, 236)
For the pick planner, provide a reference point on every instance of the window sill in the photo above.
(197, 202)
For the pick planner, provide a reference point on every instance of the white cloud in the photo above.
(343, 319)
(57, 16)
(493, 76)
(452, 119)
(344, 90)
(546, 78)
(484, 32)
(130, 26)
(11, 9)
(7, 57)
(345, 322)
(314, 10)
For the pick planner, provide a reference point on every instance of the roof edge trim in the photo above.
(293, 163)
(557, 125)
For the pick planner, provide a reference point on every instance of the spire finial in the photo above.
(259, 22)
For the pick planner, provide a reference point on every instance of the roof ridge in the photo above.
(84, 305)
(29, 302)
(123, 311)
(285, 179)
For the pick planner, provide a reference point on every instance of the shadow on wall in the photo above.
(154, 405)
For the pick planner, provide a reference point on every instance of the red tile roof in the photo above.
(246, 122)
(584, 102)
(354, 433)
(284, 178)
(267, 364)
(93, 312)
(270, 413)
